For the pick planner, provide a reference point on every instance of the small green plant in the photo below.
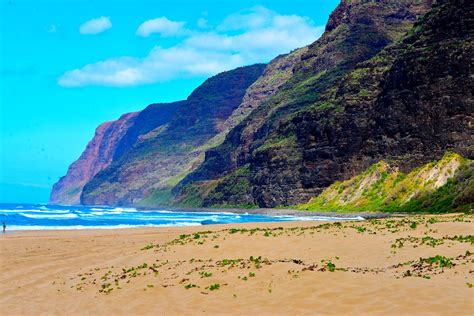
(442, 261)
(331, 266)
(214, 287)
(143, 266)
(149, 246)
(433, 220)
(189, 286)
(205, 274)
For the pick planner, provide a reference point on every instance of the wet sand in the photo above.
(370, 267)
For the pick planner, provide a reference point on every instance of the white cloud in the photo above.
(161, 26)
(202, 23)
(256, 35)
(161, 64)
(253, 18)
(95, 26)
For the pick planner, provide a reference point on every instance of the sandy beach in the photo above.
(415, 265)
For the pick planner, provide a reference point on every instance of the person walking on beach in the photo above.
(4, 227)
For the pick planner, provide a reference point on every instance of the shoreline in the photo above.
(64, 217)
(278, 212)
(318, 217)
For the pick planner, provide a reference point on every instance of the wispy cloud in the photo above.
(250, 36)
(95, 26)
(53, 28)
(161, 26)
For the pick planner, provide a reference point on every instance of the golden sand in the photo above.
(266, 269)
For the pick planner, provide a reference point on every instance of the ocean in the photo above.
(44, 217)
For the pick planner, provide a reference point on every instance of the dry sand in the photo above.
(103, 272)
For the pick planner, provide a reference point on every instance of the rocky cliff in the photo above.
(275, 157)
(161, 157)
(409, 103)
(96, 157)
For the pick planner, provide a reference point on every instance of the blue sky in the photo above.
(67, 66)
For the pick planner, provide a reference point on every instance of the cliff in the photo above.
(96, 157)
(272, 157)
(160, 158)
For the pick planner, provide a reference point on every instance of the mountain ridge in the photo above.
(336, 53)
(162, 156)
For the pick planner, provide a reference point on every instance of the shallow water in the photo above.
(41, 217)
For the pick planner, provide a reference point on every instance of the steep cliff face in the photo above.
(163, 156)
(276, 74)
(110, 142)
(268, 149)
(409, 104)
(152, 117)
(96, 157)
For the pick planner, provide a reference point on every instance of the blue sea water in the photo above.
(42, 217)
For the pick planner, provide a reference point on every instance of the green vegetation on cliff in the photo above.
(437, 187)
(159, 159)
(293, 140)
(389, 80)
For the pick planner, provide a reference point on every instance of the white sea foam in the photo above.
(123, 210)
(76, 227)
(94, 213)
(49, 216)
(35, 211)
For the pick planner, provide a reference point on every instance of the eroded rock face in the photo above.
(268, 140)
(218, 160)
(163, 156)
(409, 104)
(96, 157)
(111, 141)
